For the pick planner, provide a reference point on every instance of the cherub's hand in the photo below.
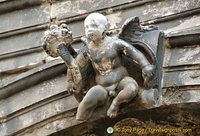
(67, 34)
(147, 73)
(55, 37)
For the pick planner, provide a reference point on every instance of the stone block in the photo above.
(181, 78)
(182, 56)
(178, 96)
(149, 12)
(24, 62)
(21, 42)
(24, 18)
(39, 114)
(32, 95)
(65, 9)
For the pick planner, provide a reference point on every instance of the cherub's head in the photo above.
(95, 25)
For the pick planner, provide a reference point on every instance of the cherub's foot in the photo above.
(80, 118)
(84, 113)
(112, 111)
(85, 116)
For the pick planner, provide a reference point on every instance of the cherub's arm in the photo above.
(132, 52)
(58, 42)
(74, 78)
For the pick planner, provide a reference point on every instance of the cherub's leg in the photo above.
(96, 96)
(129, 89)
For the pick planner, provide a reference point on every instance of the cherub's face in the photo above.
(94, 29)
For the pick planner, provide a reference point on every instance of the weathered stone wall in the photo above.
(33, 98)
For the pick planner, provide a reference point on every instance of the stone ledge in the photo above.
(31, 77)
(8, 6)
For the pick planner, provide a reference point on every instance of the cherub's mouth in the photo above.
(91, 33)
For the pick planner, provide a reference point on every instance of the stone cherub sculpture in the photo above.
(105, 55)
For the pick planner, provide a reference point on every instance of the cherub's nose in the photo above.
(90, 31)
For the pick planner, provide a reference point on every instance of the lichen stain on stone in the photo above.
(188, 55)
(3, 129)
(2, 112)
(195, 75)
(27, 121)
(186, 77)
(167, 56)
(48, 128)
(46, 10)
(187, 24)
(58, 107)
(171, 7)
(61, 8)
(173, 95)
(114, 19)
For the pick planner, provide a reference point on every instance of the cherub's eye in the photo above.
(94, 25)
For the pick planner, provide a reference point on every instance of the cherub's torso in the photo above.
(106, 60)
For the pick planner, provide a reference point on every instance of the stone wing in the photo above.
(88, 77)
(146, 39)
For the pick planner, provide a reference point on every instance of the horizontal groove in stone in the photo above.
(181, 68)
(23, 31)
(35, 121)
(107, 10)
(34, 106)
(9, 6)
(31, 77)
(20, 53)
